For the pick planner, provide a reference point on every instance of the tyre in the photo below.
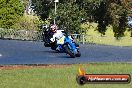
(78, 54)
(81, 80)
(53, 46)
(67, 50)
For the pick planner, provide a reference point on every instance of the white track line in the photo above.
(0, 54)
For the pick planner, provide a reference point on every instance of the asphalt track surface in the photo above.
(28, 52)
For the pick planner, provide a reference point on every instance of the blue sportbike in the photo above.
(69, 47)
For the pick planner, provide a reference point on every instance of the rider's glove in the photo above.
(52, 39)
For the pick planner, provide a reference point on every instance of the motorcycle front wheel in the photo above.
(78, 54)
(68, 51)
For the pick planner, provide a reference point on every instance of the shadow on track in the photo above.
(59, 54)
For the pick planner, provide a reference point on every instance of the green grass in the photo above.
(93, 36)
(61, 77)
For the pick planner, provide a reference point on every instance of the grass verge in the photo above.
(59, 76)
(93, 36)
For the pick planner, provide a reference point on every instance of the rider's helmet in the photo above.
(53, 28)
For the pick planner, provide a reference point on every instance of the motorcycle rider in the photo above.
(58, 36)
(58, 39)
